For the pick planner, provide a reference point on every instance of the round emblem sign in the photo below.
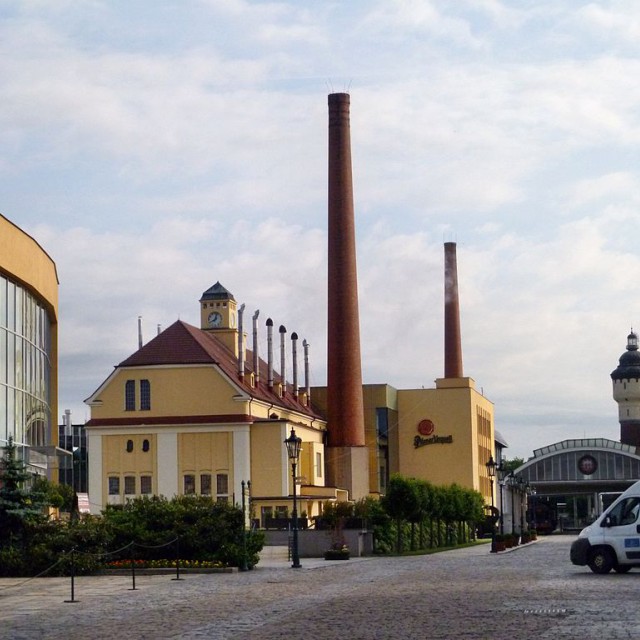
(425, 427)
(587, 465)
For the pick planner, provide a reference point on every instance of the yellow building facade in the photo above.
(444, 435)
(194, 412)
(29, 348)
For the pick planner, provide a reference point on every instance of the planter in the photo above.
(334, 554)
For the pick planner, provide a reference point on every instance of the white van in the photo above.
(613, 540)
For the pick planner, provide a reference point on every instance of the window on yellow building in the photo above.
(130, 395)
(145, 485)
(189, 484)
(222, 486)
(319, 464)
(114, 485)
(205, 484)
(145, 395)
(129, 485)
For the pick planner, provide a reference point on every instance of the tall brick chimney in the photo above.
(347, 455)
(452, 339)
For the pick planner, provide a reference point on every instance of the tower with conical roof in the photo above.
(626, 392)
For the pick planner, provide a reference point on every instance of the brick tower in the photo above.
(452, 339)
(347, 455)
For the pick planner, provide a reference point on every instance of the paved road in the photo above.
(533, 592)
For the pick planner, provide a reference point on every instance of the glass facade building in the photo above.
(25, 367)
(28, 348)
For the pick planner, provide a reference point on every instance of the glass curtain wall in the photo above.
(25, 367)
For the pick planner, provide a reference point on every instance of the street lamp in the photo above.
(246, 486)
(491, 471)
(294, 446)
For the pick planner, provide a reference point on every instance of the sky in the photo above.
(155, 147)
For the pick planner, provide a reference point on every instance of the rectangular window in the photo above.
(130, 395)
(145, 485)
(382, 422)
(129, 485)
(114, 485)
(205, 484)
(222, 484)
(319, 465)
(145, 395)
(189, 484)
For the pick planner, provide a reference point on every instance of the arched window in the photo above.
(145, 445)
(129, 446)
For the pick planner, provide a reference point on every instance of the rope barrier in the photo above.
(42, 573)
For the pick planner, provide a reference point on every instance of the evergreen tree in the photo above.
(18, 505)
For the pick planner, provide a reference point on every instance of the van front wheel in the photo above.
(601, 560)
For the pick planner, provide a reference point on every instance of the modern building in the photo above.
(28, 349)
(74, 469)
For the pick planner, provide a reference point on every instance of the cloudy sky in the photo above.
(155, 147)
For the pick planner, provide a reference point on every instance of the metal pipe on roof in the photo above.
(241, 341)
(270, 354)
(256, 360)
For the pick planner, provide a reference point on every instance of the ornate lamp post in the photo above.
(294, 446)
(246, 486)
(491, 471)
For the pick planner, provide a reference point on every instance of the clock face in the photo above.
(214, 319)
(587, 465)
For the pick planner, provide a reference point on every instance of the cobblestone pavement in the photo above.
(532, 592)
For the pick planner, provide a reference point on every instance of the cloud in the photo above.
(153, 154)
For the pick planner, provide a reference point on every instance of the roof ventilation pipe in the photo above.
(283, 361)
(294, 356)
(139, 332)
(270, 354)
(241, 342)
(256, 361)
(307, 383)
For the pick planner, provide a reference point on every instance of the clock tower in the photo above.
(218, 314)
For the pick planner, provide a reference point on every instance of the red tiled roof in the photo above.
(182, 343)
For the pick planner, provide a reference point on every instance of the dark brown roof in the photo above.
(182, 343)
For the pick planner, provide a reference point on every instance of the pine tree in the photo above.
(18, 505)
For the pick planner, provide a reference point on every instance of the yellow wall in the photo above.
(117, 461)
(175, 391)
(209, 453)
(454, 411)
(267, 445)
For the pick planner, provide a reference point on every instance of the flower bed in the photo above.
(337, 552)
(165, 566)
